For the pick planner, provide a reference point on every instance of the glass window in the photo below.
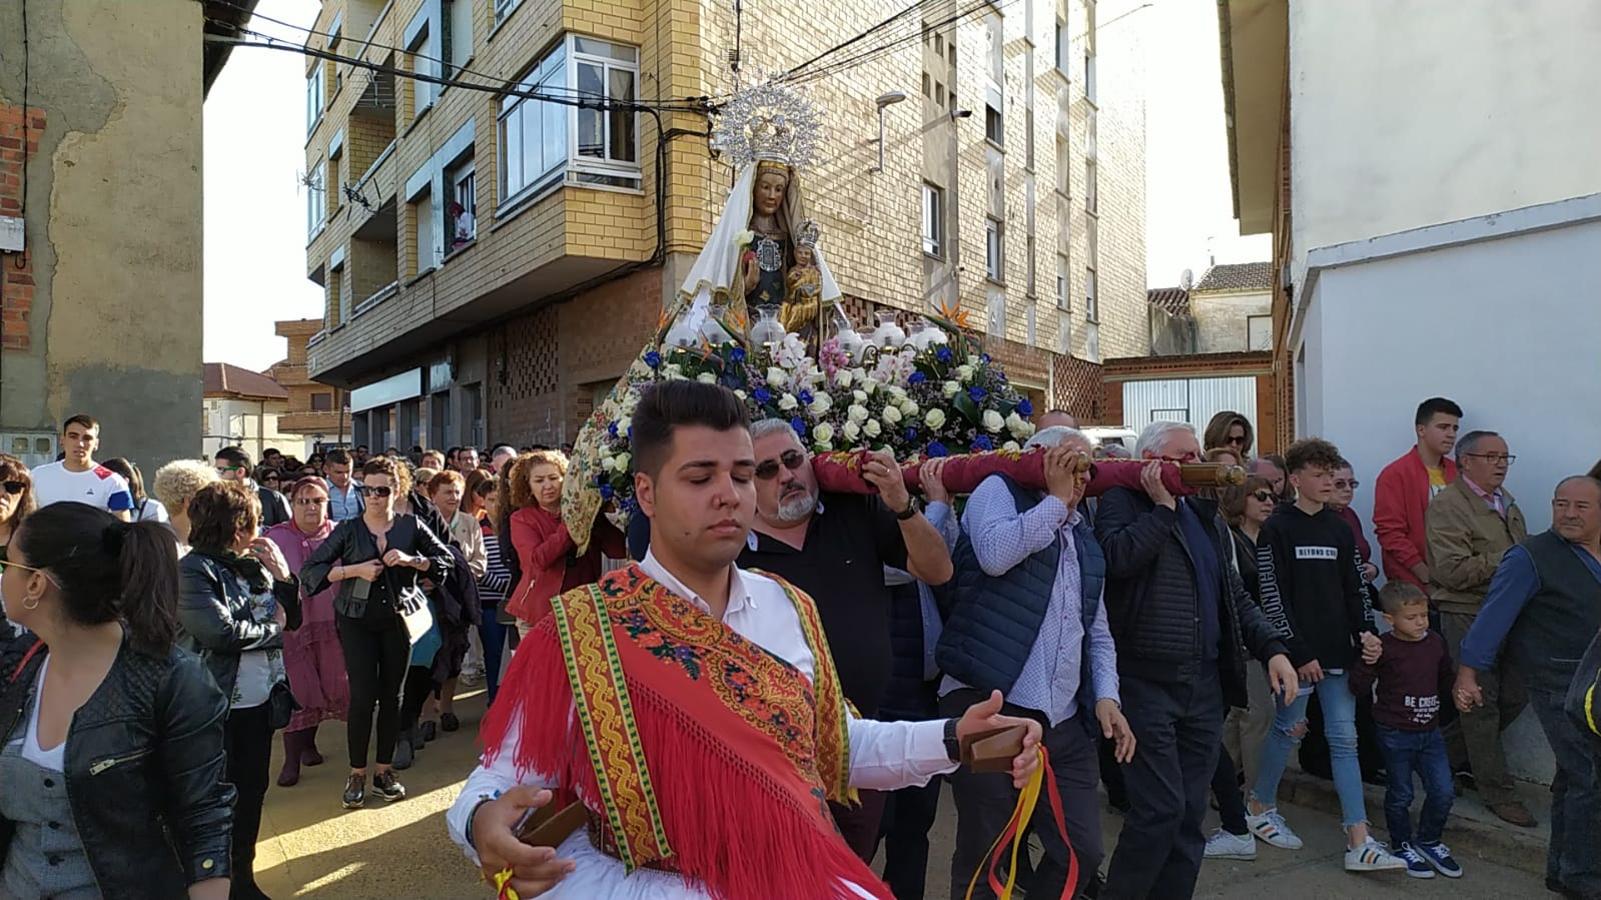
(994, 125)
(1063, 300)
(422, 213)
(994, 249)
(933, 220)
(462, 213)
(322, 401)
(591, 124)
(1092, 305)
(459, 33)
(316, 199)
(314, 98)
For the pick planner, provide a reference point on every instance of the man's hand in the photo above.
(1281, 678)
(370, 570)
(270, 557)
(986, 716)
(1370, 572)
(1061, 479)
(1311, 673)
(1372, 648)
(882, 471)
(1115, 728)
(535, 870)
(1151, 481)
(1421, 570)
(1468, 694)
(929, 474)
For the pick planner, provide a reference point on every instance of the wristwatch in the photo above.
(912, 509)
(953, 747)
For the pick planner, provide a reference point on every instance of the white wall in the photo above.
(239, 418)
(1410, 114)
(1220, 320)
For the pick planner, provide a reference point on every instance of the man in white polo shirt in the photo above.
(77, 477)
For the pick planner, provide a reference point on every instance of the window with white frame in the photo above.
(316, 199)
(458, 34)
(503, 8)
(1064, 299)
(314, 96)
(994, 249)
(1092, 303)
(544, 143)
(461, 215)
(933, 220)
(423, 93)
(422, 218)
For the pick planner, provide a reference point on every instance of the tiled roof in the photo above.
(1174, 301)
(224, 379)
(1236, 277)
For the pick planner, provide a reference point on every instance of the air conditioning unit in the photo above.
(34, 448)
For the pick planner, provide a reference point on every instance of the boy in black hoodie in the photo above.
(1313, 593)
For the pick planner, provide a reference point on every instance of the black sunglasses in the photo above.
(767, 469)
(14, 487)
(366, 491)
(1264, 496)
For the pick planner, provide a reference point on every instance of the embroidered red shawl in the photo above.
(708, 754)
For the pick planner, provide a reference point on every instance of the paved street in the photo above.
(312, 848)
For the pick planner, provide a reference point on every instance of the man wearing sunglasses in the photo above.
(77, 477)
(233, 464)
(1471, 525)
(835, 547)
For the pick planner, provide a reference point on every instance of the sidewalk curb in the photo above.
(1505, 845)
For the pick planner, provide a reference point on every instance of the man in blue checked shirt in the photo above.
(1027, 619)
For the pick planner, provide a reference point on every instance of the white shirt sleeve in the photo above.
(488, 782)
(886, 756)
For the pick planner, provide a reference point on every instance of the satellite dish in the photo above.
(1187, 279)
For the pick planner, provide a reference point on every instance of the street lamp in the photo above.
(883, 101)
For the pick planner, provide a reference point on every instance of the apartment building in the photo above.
(315, 413)
(493, 260)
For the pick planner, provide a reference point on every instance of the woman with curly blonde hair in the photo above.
(176, 484)
(544, 549)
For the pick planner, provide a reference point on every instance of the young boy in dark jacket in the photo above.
(1414, 676)
(1312, 592)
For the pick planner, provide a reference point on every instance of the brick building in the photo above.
(492, 262)
(317, 413)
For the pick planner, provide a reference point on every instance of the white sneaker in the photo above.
(1222, 845)
(1372, 856)
(1271, 829)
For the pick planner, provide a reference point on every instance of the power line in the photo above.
(877, 52)
(860, 37)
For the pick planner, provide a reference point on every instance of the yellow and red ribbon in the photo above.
(1027, 799)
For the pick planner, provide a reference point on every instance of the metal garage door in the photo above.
(1192, 400)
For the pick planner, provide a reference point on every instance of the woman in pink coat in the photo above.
(315, 664)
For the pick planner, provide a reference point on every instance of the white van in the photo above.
(1104, 435)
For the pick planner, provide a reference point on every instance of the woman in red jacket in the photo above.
(549, 561)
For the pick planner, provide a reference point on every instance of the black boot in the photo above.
(404, 755)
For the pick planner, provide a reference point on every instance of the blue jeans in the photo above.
(493, 635)
(1422, 752)
(1575, 797)
(1339, 724)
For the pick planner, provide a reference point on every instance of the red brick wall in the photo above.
(16, 282)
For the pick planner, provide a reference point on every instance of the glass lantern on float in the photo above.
(768, 330)
(850, 341)
(712, 329)
(925, 334)
(889, 332)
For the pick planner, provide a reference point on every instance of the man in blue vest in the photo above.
(1027, 619)
(1543, 609)
(1180, 614)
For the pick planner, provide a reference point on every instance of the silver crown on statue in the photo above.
(769, 121)
(807, 233)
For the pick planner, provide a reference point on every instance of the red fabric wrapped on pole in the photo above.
(841, 473)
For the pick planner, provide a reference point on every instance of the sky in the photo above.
(255, 207)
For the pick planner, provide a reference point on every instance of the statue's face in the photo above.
(770, 192)
(803, 256)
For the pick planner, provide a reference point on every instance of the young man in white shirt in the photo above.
(77, 477)
(738, 772)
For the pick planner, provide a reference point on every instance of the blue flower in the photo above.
(805, 397)
(762, 395)
(799, 425)
(916, 378)
(652, 358)
(936, 450)
(606, 492)
(611, 430)
(977, 393)
(736, 355)
(983, 442)
(600, 479)
(943, 354)
(984, 358)
(1025, 408)
(911, 434)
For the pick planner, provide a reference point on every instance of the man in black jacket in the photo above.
(1179, 614)
(233, 464)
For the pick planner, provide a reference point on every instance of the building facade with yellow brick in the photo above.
(494, 258)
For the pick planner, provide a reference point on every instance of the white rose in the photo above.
(673, 370)
(973, 361)
(993, 421)
(852, 430)
(935, 419)
(706, 378)
(965, 373)
(892, 415)
(621, 461)
(609, 463)
(824, 433)
(1018, 427)
(788, 402)
(739, 393)
(857, 414)
(1011, 447)
(776, 377)
(624, 424)
(872, 429)
(859, 396)
(950, 388)
(897, 394)
(869, 384)
(909, 407)
(821, 404)
(842, 378)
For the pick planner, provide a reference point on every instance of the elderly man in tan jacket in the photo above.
(1470, 525)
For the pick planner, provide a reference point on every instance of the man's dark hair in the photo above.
(362, 448)
(338, 456)
(1397, 593)
(234, 456)
(1312, 452)
(1429, 408)
(271, 451)
(667, 405)
(86, 421)
(1466, 443)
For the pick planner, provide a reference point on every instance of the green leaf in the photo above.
(965, 405)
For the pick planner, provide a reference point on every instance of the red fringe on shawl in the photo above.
(737, 830)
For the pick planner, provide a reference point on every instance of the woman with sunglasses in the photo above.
(378, 561)
(312, 655)
(1232, 431)
(16, 502)
(1345, 485)
(145, 507)
(545, 551)
(111, 738)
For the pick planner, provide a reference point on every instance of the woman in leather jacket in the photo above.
(377, 560)
(131, 798)
(237, 598)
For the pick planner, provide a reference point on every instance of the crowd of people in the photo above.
(1165, 649)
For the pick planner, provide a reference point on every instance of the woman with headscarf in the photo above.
(312, 656)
